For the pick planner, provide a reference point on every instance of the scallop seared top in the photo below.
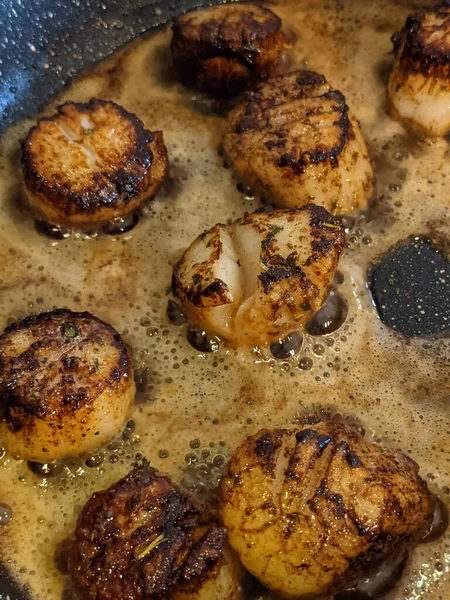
(66, 384)
(143, 539)
(424, 41)
(419, 86)
(222, 48)
(262, 276)
(293, 140)
(311, 510)
(90, 164)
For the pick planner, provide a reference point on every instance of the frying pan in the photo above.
(44, 44)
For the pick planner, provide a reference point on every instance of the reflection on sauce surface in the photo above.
(330, 317)
(187, 395)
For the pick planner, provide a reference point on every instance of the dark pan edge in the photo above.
(45, 43)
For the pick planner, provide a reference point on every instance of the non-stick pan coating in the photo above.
(44, 43)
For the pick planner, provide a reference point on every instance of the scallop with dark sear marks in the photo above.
(66, 384)
(261, 277)
(309, 511)
(90, 164)
(419, 85)
(293, 140)
(143, 538)
(224, 48)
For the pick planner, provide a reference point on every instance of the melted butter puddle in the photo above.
(194, 407)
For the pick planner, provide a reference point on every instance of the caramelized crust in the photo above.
(143, 539)
(262, 276)
(419, 85)
(310, 511)
(225, 47)
(66, 384)
(423, 44)
(90, 164)
(293, 140)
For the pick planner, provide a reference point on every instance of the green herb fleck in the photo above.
(69, 330)
(305, 306)
(263, 263)
(196, 278)
(35, 396)
(128, 187)
(272, 233)
(331, 226)
(99, 341)
(88, 131)
(95, 365)
(149, 547)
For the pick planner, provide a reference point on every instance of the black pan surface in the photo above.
(45, 43)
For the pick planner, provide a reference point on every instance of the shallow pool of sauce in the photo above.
(194, 408)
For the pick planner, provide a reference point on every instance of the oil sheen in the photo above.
(194, 407)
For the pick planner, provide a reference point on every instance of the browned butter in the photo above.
(194, 408)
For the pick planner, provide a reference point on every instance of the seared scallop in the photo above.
(66, 384)
(224, 48)
(293, 140)
(310, 511)
(419, 86)
(260, 277)
(144, 538)
(90, 164)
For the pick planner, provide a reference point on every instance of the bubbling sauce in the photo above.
(195, 406)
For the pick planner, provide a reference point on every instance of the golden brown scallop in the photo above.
(419, 86)
(256, 279)
(293, 140)
(224, 48)
(90, 164)
(66, 384)
(309, 511)
(143, 538)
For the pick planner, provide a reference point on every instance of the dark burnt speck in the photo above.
(265, 446)
(323, 441)
(353, 460)
(305, 435)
